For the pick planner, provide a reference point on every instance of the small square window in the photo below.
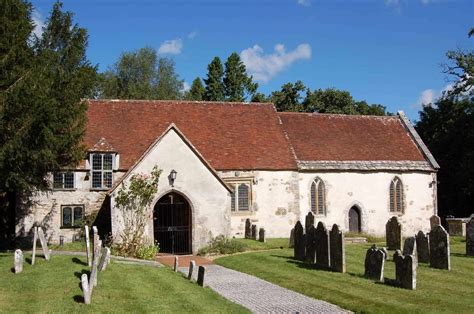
(72, 216)
(63, 180)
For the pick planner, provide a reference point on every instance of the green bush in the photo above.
(222, 245)
(140, 250)
(147, 252)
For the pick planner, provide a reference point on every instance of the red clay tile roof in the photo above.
(349, 138)
(229, 135)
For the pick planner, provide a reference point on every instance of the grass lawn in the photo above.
(437, 290)
(274, 243)
(54, 286)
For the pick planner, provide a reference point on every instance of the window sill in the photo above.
(64, 190)
(242, 213)
(72, 227)
(100, 189)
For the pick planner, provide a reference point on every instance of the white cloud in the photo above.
(186, 87)
(265, 67)
(172, 47)
(39, 23)
(429, 96)
(305, 3)
(192, 35)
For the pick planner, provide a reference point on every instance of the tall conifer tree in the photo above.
(214, 83)
(236, 81)
(197, 90)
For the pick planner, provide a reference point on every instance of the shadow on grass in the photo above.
(356, 275)
(84, 271)
(285, 257)
(461, 255)
(78, 261)
(28, 260)
(78, 298)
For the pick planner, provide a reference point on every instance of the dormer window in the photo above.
(102, 165)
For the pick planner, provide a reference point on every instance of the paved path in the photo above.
(260, 296)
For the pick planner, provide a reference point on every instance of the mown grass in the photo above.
(54, 286)
(437, 290)
(273, 243)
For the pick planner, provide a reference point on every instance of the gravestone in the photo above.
(409, 246)
(261, 235)
(309, 221)
(104, 259)
(405, 270)
(310, 241)
(201, 275)
(470, 237)
(374, 264)
(192, 265)
(44, 244)
(393, 234)
(291, 243)
(323, 256)
(435, 221)
(18, 261)
(35, 239)
(385, 251)
(248, 231)
(337, 250)
(88, 246)
(86, 289)
(95, 239)
(422, 247)
(95, 264)
(299, 248)
(176, 264)
(254, 232)
(439, 248)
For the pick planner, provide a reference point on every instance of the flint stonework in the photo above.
(291, 243)
(254, 232)
(192, 266)
(201, 275)
(248, 231)
(310, 241)
(261, 235)
(393, 234)
(323, 256)
(309, 220)
(18, 262)
(435, 221)
(405, 270)
(470, 237)
(439, 248)
(374, 264)
(44, 244)
(422, 247)
(299, 248)
(409, 246)
(86, 289)
(35, 239)
(337, 250)
(88, 246)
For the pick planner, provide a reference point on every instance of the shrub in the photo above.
(222, 245)
(147, 252)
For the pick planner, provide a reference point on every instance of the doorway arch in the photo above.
(172, 219)
(355, 220)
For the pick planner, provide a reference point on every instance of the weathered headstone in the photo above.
(435, 221)
(248, 229)
(254, 232)
(291, 243)
(192, 265)
(86, 289)
(104, 259)
(299, 248)
(374, 264)
(35, 239)
(385, 251)
(261, 235)
(405, 270)
(337, 250)
(88, 246)
(422, 247)
(439, 248)
(323, 256)
(95, 262)
(18, 261)
(409, 246)
(176, 264)
(95, 239)
(309, 221)
(393, 234)
(310, 241)
(470, 237)
(44, 244)
(201, 275)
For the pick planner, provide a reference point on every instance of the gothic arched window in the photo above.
(318, 206)
(396, 195)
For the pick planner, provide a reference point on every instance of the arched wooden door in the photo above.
(172, 224)
(354, 219)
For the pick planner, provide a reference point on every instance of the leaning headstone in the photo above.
(44, 244)
(439, 248)
(337, 250)
(254, 232)
(18, 261)
(176, 264)
(374, 264)
(86, 289)
(470, 237)
(95, 239)
(261, 235)
(95, 262)
(291, 243)
(88, 246)
(323, 256)
(192, 265)
(435, 221)
(104, 259)
(405, 270)
(422, 247)
(201, 275)
(35, 239)
(393, 234)
(309, 220)
(310, 241)
(248, 231)
(299, 248)
(409, 246)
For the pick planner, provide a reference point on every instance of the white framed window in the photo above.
(63, 180)
(102, 165)
(72, 216)
(396, 196)
(318, 197)
(241, 196)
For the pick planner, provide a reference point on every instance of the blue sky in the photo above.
(383, 51)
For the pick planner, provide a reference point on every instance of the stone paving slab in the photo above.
(260, 296)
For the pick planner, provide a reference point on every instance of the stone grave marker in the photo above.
(291, 243)
(176, 264)
(385, 251)
(95, 262)
(86, 289)
(18, 261)
(95, 239)
(422, 247)
(405, 270)
(261, 235)
(88, 246)
(470, 237)
(309, 221)
(409, 246)
(439, 248)
(393, 234)
(310, 241)
(374, 264)
(248, 231)
(299, 248)
(104, 259)
(254, 232)
(192, 265)
(201, 275)
(323, 256)
(44, 244)
(337, 250)
(35, 239)
(435, 221)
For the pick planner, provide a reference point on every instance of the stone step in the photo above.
(355, 240)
